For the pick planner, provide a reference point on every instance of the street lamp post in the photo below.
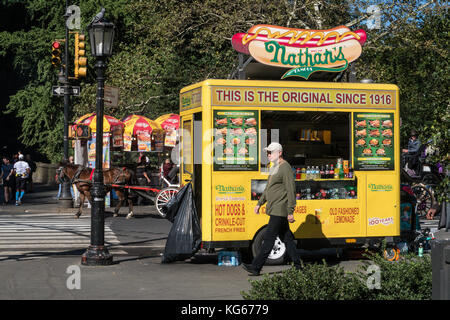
(101, 34)
(65, 199)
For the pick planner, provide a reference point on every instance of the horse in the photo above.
(82, 177)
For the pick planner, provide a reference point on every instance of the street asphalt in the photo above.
(137, 272)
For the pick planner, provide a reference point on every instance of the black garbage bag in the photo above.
(184, 237)
(170, 209)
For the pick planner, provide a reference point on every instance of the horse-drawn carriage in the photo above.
(120, 179)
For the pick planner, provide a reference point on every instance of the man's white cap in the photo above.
(20, 156)
(274, 146)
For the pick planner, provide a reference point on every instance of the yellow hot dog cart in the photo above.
(341, 139)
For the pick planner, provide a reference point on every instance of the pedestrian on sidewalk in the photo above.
(22, 171)
(280, 197)
(142, 176)
(8, 179)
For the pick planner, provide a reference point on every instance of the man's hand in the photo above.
(290, 218)
(257, 209)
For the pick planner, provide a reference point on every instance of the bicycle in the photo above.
(423, 237)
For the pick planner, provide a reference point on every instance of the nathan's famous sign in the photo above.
(306, 51)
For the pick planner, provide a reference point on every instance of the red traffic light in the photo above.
(56, 45)
(56, 53)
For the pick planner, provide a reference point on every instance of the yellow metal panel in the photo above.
(383, 218)
(186, 140)
(331, 218)
(207, 215)
(230, 212)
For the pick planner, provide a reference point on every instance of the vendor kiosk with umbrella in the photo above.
(85, 129)
(170, 123)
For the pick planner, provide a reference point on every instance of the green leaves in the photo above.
(406, 279)
(161, 46)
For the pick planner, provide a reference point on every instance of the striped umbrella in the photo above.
(169, 121)
(135, 125)
(90, 120)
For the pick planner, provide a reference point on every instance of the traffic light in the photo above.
(80, 56)
(56, 53)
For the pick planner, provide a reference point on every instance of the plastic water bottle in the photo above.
(420, 253)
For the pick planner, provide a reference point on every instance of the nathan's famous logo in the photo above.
(191, 98)
(380, 187)
(229, 189)
(185, 101)
(306, 51)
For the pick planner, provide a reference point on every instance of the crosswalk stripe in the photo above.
(48, 234)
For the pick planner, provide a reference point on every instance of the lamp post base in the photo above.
(65, 201)
(96, 256)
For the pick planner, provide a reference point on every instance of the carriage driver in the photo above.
(21, 171)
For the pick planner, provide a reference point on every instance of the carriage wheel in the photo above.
(163, 197)
(424, 199)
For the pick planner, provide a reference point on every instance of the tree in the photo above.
(162, 46)
(411, 51)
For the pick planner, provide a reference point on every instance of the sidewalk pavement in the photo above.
(135, 274)
(43, 200)
(144, 234)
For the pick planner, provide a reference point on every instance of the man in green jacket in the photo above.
(280, 197)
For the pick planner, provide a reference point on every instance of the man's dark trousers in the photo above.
(278, 226)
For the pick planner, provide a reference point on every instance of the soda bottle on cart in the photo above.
(420, 250)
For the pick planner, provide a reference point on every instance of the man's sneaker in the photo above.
(17, 203)
(250, 269)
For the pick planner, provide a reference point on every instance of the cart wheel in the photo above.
(163, 197)
(278, 254)
(391, 254)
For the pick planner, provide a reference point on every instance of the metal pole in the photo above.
(97, 253)
(241, 72)
(66, 200)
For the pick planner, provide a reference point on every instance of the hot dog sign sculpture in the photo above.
(305, 51)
